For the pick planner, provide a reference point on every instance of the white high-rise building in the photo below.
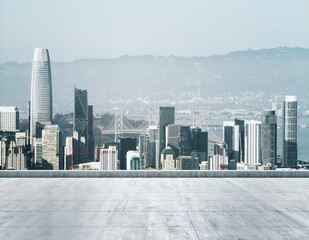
(109, 158)
(9, 118)
(41, 90)
(253, 142)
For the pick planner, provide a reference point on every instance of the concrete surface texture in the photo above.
(154, 208)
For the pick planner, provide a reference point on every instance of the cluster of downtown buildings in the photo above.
(246, 145)
(42, 146)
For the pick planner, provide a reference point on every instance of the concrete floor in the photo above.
(154, 208)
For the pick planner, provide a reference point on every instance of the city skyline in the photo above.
(154, 119)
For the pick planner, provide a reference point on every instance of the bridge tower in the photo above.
(118, 122)
(153, 117)
(198, 118)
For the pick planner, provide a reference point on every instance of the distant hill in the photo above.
(271, 70)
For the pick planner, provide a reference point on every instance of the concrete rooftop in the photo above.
(154, 208)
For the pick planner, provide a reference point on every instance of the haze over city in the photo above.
(77, 29)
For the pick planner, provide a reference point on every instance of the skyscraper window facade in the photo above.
(289, 118)
(80, 115)
(41, 90)
(167, 116)
(9, 119)
(253, 148)
(231, 137)
(269, 138)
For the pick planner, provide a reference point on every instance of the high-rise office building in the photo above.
(90, 143)
(253, 147)
(9, 119)
(83, 121)
(144, 151)
(52, 157)
(154, 147)
(126, 144)
(41, 90)
(37, 146)
(172, 135)
(166, 116)
(75, 148)
(231, 138)
(241, 124)
(199, 143)
(289, 118)
(179, 138)
(269, 138)
(80, 114)
(185, 145)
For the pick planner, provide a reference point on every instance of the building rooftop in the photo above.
(291, 98)
(8, 108)
(154, 208)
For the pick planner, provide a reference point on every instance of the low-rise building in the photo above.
(9, 118)
(218, 162)
(109, 158)
(133, 160)
(13, 150)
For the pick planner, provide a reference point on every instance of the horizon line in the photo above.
(162, 56)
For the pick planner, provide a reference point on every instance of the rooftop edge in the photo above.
(151, 174)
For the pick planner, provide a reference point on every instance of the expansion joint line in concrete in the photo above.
(193, 226)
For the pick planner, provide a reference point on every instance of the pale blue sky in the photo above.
(74, 29)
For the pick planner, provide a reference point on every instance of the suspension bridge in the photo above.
(120, 124)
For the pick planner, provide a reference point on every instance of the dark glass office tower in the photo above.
(269, 138)
(199, 143)
(185, 141)
(179, 138)
(154, 147)
(172, 135)
(289, 118)
(144, 150)
(241, 124)
(167, 116)
(231, 138)
(126, 144)
(80, 116)
(90, 132)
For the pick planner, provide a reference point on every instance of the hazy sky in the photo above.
(74, 29)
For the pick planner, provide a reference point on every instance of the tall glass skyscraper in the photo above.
(231, 138)
(90, 132)
(167, 116)
(269, 137)
(241, 124)
(290, 132)
(41, 90)
(80, 114)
